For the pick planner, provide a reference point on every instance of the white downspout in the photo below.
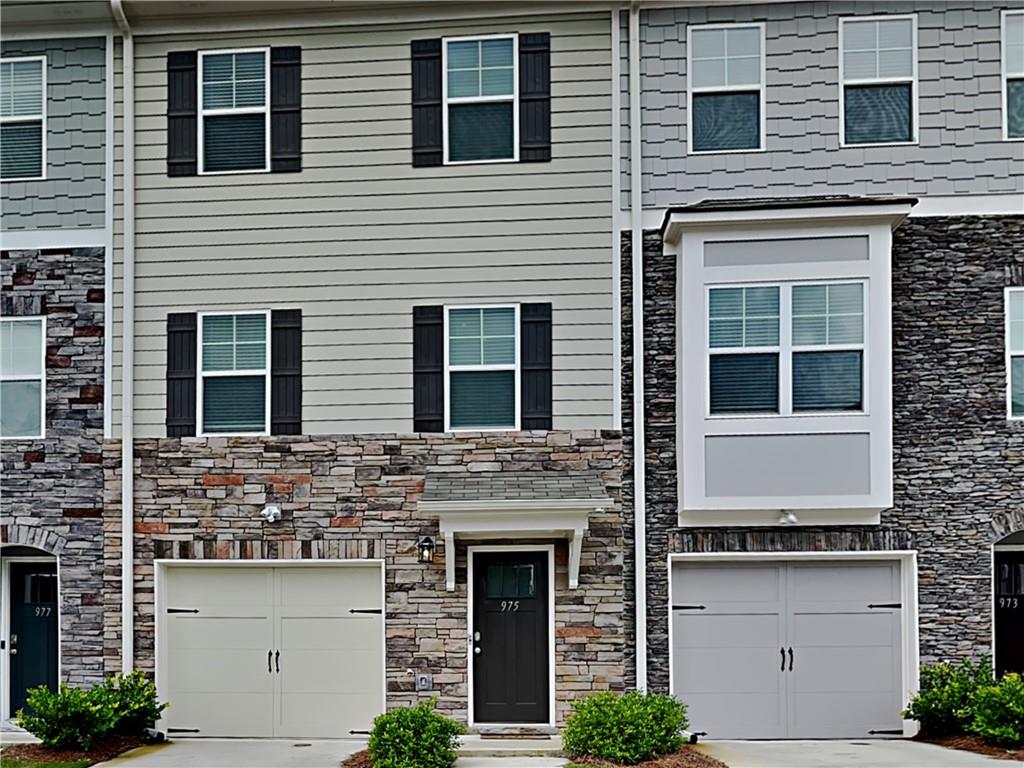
(127, 345)
(636, 216)
(616, 186)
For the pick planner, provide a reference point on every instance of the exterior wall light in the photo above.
(425, 550)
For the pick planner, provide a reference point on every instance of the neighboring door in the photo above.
(292, 652)
(1009, 618)
(34, 629)
(511, 637)
(788, 650)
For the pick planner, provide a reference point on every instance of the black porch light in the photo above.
(425, 550)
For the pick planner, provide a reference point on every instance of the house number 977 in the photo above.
(43, 610)
(509, 606)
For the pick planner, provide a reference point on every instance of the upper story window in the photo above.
(786, 349)
(481, 99)
(1013, 74)
(878, 73)
(726, 88)
(482, 354)
(1015, 351)
(23, 118)
(234, 368)
(22, 377)
(234, 111)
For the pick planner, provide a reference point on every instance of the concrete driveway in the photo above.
(878, 753)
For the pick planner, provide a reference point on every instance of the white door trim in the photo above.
(908, 597)
(996, 547)
(5, 623)
(550, 550)
(162, 566)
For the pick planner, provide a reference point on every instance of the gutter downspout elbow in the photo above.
(127, 343)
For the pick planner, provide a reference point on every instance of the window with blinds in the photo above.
(828, 347)
(1013, 74)
(234, 111)
(482, 363)
(23, 118)
(878, 65)
(22, 377)
(480, 99)
(1015, 351)
(743, 337)
(726, 88)
(234, 372)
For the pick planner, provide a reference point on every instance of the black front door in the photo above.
(510, 637)
(1009, 612)
(33, 638)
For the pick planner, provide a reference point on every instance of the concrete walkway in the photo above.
(876, 753)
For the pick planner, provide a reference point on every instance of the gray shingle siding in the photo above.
(72, 194)
(960, 148)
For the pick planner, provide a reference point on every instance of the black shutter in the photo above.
(182, 109)
(535, 97)
(181, 374)
(286, 372)
(535, 354)
(285, 109)
(428, 369)
(427, 148)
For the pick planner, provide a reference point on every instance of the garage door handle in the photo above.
(790, 659)
(277, 661)
(269, 654)
(782, 651)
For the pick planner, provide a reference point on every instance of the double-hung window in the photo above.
(726, 88)
(482, 354)
(23, 118)
(22, 377)
(481, 99)
(786, 349)
(1013, 74)
(878, 80)
(1015, 351)
(234, 371)
(234, 111)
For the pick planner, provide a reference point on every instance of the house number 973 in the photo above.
(43, 610)
(1009, 602)
(509, 606)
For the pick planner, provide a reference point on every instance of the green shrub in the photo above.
(626, 728)
(998, 711)
(943, 704)
(414, 737)
(133, 702)
(70, 718)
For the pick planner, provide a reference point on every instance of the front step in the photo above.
(510, 745)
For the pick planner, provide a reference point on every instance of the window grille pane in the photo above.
(465, 351)
(235, 142)
(878, 114)
(744, 71)
(726, 333)
(480, 131)
(1015, 108)
(497, 82)
(463, 83)
(482, 399)
(499, 350)
(860, 36)
(234, 404)
(1017, 385)
(743, 41)
(1014, 44)
(708, 73)
(827, 381)
(895, 33)
(21, 348)
(726, 121)
(708, 43)
(496, 53)
(1016, 310)
(464, 54)
(20, 408)
(726, 302)
(896, 63)
(745, 383)
(464, 322)
(499, 321)
(21, 150)
(859, 65)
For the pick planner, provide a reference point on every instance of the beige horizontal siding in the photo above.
(359, 237)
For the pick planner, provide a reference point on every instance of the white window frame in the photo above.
(516, 367)
(23, 119)
(786, 349)
(912, 81)
(41, 378)
(1010, 355)
(265, 110)
(201, 375)
(1005, 75)
(691, 89)
(514, 98)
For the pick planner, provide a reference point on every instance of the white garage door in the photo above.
(272, 651)
(797, 650)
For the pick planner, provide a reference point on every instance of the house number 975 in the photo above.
(509, 606)
(1008, 602)
(43, 610)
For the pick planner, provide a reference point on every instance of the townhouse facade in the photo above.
(351, 292)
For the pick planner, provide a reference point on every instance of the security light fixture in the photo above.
(425, 550)
(271, 513)
(788, 518)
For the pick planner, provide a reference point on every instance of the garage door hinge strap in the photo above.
(885, 605)
(364, 610)
(689, 607)
(894, 732)
(183, 610)
(183, 730)
(359, 733)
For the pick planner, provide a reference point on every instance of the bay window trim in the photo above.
(41, 377)
(40, 118)
(911, 80)
(761, 88)
(1011, 353)
(504, 99)
(201, 112)
(516, 367)
(1005, 74)
(202, 375)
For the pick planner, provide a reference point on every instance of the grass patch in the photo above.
(25, 764)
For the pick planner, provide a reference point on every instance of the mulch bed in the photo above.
(358, 760)
(687, 757)
(975, 744)
(101, 750)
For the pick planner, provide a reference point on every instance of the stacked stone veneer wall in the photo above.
(52, 488)
(958, 461)
(356, 497)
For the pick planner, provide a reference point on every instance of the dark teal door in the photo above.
(33, 639)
